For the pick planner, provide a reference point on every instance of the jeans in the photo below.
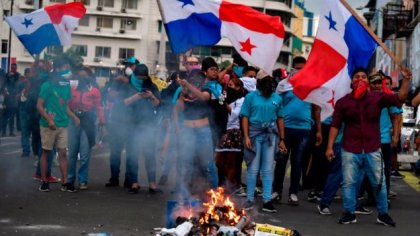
(118, 137)
(26, 132)
(9, 115)
(386, 155)
(142, 141)
(78, 144)
(197, 156)
(296, 140)
(334, 179)
(356, 165)
(171, 155)
(263, 161)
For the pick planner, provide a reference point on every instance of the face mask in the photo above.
(232, 95)
(66, 74)
(128, 71)
(360, 87)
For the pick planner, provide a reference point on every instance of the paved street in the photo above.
(26, 211)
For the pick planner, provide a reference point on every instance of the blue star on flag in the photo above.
(27, 22)
(331, 21)
(187, 2)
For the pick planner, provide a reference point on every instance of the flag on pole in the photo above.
(257, 37)
(341, 45)
(48, 26)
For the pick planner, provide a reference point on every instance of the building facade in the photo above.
(116, 29)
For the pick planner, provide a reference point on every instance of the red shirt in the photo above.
(361, 120)
(91, 99)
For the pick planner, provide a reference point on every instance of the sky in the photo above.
(315, 5)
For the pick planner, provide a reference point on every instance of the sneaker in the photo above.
(293, 200)
(240, 192)
(275, 197)
(258, 192)
(363, 211)
(44, 187)
(248, 205)
(68, 188)
(112, 183)
(268, 207)
(348, 218)
(53, 179)
(83, 186)
(386, 220)
(392, 194)
(397, 175)
(314, 196)
(324, 209)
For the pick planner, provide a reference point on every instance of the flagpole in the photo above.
(369, 30)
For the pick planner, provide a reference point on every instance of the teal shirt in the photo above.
(297, 113)
(260, 110)
(386, 123)
(55, 98)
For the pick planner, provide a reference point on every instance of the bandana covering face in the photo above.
(360, 87)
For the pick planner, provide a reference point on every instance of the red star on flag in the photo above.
(331, 101)
(247, 46)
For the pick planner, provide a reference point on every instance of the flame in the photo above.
(220, 209)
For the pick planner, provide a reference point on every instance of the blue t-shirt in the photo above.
(386, 123)
(297, 113)
(260, 110)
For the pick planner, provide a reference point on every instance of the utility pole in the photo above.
(12, 2)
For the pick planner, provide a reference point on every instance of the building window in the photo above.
(125, 53)
(102, 72)
(85, 2)
(129, 24)
(104, 52)
(84, 21)
(54, 50)
(4, 46)
(106, 3)
(104, 22)
(81, 50)
(160, 25)
(129, 4)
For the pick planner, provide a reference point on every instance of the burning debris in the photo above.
(219, 218)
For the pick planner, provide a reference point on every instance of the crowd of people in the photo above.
(205, 124)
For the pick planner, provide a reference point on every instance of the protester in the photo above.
(86, 105)
(197, 149)
(142, 101)
(298, 122)
(229, 148)
(248, 78)
(263, 128)
(53, 107)
(359, 112)
(11, 98)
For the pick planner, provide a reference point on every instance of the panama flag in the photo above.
(48, 26)
(340, 46)
(257, 37)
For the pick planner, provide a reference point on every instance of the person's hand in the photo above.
(282, 147)
(51, 125)
(329, 154)
(318, 137)
(406, 73)
(394, 141)
(147, 94)
(248, 143)
(76, 120)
